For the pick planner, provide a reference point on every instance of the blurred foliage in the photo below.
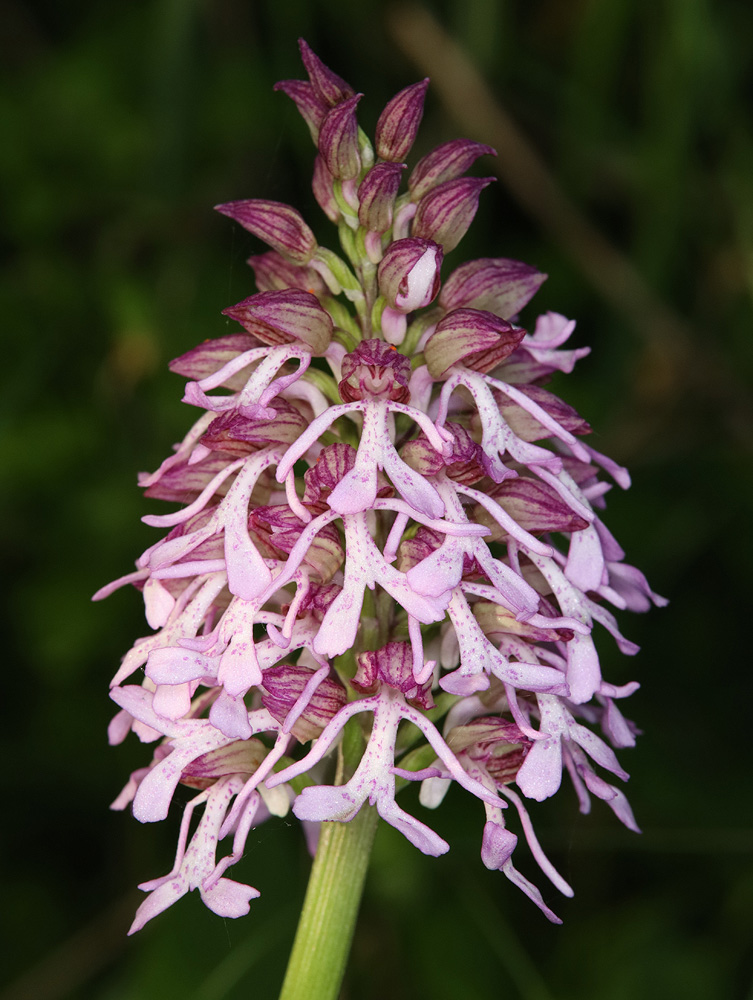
(121, 124)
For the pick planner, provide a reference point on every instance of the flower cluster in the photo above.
(387, 523)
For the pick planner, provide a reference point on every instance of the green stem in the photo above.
(325, 930)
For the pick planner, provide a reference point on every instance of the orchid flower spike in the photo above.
(387, 526)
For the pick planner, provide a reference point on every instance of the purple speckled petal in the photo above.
(239, 668)
(310, 436)
(585, 565)
(541, 773)
(497, 845)
(479, 658)
(326, 803)
(227, 898)
(413, 487)
(536, 850)
(615, 799)
(230, 716)
(364, 566)
(177, 665)
(530, 890)
(194, 866)
(324, 743)
(418, 833)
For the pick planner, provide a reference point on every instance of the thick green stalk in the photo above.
(328, 919)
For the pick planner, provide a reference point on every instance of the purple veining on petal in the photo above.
(330, 88)
(398, 123)
(338, 139)
(446, 212)
(445, 163)
(409, 273)
(280, 226)
(376, 196)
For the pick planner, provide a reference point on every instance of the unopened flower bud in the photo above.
(338, 140)
(421, 456)
(409, 273)
(184, 481)
(333, 462)
(464, 465)
(273, 273)
(499, 285)
(398, 123)
(445, 163)
(478, 339)
(319, 598)
(445, 214)
(498, 743)
(321, 185)
(376, 196)
(534, 505)
(279, 225)
(330, 88)
(284, 317)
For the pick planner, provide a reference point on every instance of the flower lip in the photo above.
(375, 370)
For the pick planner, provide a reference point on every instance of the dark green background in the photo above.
(120, 126)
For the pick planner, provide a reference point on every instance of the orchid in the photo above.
(378, 474)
